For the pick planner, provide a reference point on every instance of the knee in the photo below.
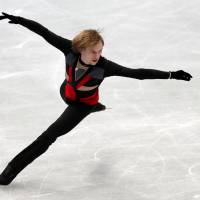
(46, 138)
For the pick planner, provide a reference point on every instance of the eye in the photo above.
(93, 52)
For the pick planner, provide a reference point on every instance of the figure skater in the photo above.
(85, 71)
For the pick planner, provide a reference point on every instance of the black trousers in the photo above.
(72, 115)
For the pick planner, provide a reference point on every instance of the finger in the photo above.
(2, 17)
(5, 14)
(185, 74)
(188, 78)
(11, 22)
(184, 77)
(188, 75)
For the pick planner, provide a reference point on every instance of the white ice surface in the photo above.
(147, 146)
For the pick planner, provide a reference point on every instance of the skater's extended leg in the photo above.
(66, 122)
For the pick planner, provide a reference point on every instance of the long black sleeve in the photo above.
(60, 43)
(114, 69)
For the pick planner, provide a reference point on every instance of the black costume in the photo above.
(80, 102)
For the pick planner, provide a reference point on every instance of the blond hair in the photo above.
(86, 38)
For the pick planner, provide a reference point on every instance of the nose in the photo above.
(98, 55)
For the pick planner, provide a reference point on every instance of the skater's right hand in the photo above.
(13, 19)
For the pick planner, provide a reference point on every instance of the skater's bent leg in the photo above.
(66, 122)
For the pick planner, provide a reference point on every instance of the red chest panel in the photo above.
(71, 86)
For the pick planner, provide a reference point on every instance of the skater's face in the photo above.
(91, 55)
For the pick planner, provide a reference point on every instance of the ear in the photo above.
(81, 50)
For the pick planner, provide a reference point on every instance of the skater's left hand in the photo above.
(181, 75)
(13, 19)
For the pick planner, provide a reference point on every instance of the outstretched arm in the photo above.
(60, 43)
(114, 69)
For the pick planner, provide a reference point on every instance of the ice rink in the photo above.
(146, 146)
